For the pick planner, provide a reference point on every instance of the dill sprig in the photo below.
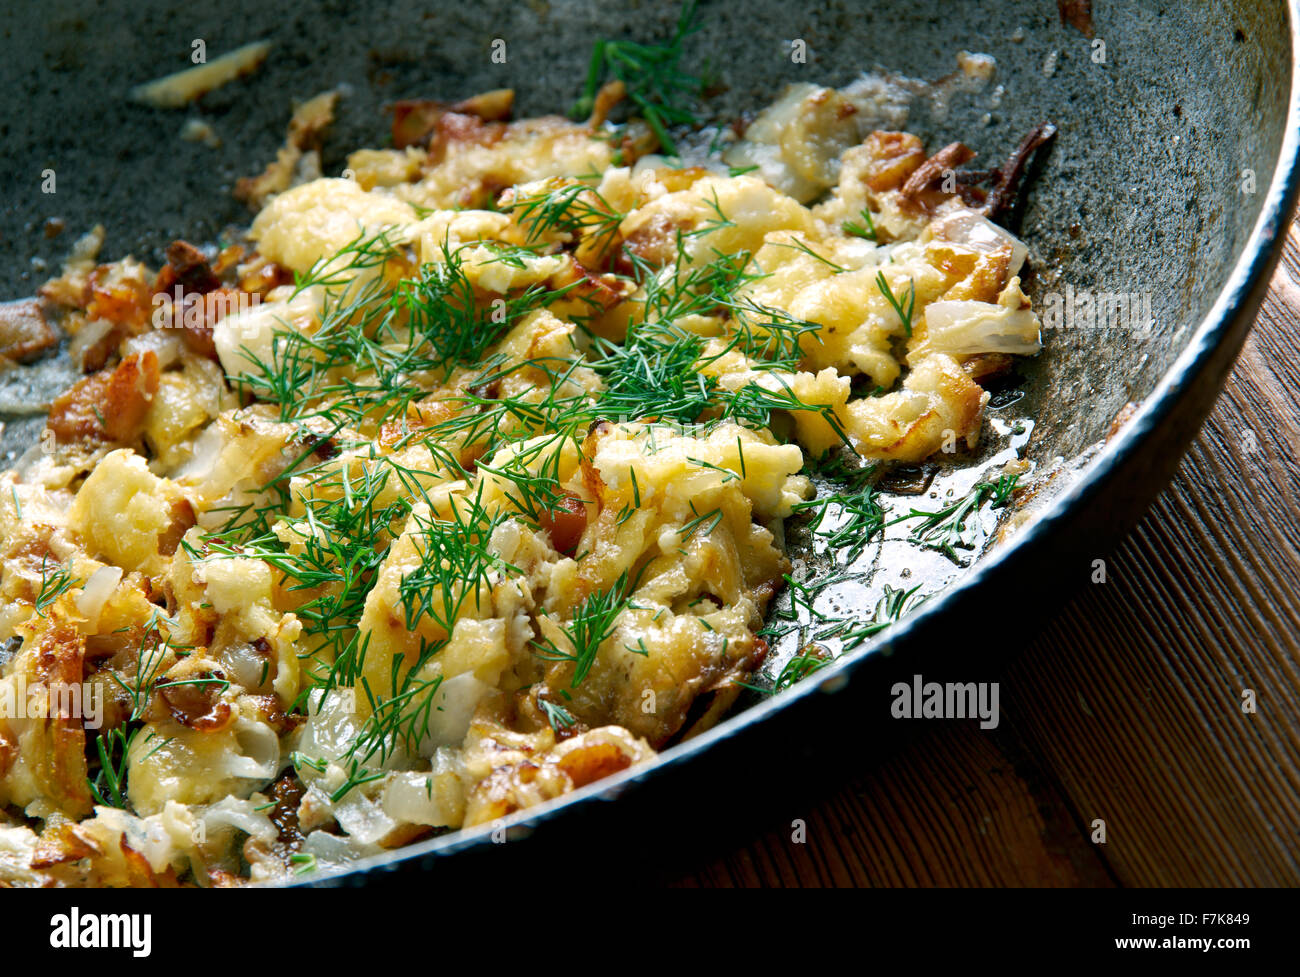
(657, 371)
(333, 549)
(113, 747)
(945, 529)
(866, 228)
(798, 244)
(397, 722)
(799, 667)
(302, 863)
(559, 717)
(592, 623)
(685, 289)
(890, 608)
(364, 252)
(575, 209)
(773, 339)
(851, 633)
(903, 310)
(382, 344)
(53, 586)
(456, 564)
(654, 79)
(530, 476)
(847, 520)
(654, 374)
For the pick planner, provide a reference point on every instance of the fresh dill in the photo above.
(567, 208)
(890, 608)
(113, 748)
(866, 228)
(53, 586)
(726, 473)
(799, 244)
(593, 622)
(847, 520)
(703, 523)
(903, 310)
(850, 633)
(559, 717)
(799, 667)
(382, 344)
(456, 565)
(302, 863)
(332, 551)
(946, 529)
(653, 78)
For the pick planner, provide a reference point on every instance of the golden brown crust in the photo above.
(109, 406)
(24, 331)
(893, 158)
(919, 190)
(56, 744)
(61, 844)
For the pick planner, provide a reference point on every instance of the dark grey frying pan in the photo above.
(1172, 176)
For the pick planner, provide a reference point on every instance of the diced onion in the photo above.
(436, 798)
(331, 726)
(203, 456)
(362, 818)
(245, 340)
(976, 231)
(453, 708)
(965, 328)
(247, 665)
(166, 344)
(332, 851)
(96, 592)
(259, 757)
(241, 814)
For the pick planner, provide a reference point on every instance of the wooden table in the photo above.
(1127, 709)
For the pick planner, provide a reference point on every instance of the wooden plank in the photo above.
(957, 806)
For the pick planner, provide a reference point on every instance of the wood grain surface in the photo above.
(1127, 709)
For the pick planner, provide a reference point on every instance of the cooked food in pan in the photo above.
(461, 482)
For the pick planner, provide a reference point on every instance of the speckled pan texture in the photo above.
(1160, 113)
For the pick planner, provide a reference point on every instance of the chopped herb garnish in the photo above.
(865, 228)
(904, 311)
(54, 584)
(593, 623)
(654, 78)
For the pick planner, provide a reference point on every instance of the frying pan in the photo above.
(1171, 177)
